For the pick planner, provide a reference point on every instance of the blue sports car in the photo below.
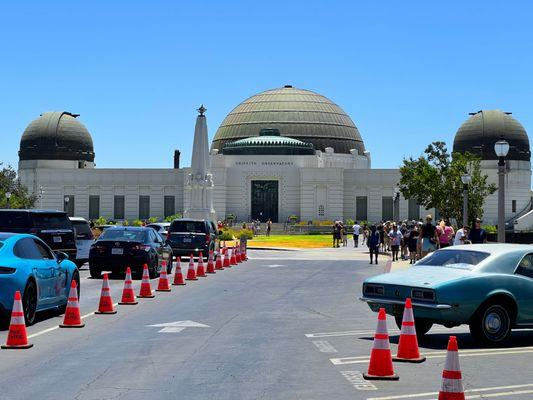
(42, 276)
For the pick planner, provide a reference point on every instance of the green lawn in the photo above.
(296, 241)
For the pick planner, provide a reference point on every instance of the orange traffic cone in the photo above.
(238, 255)
(163, 284)
(227, 263)
(408, 347)
(191, 273)
(452, 380)
(218, 263)
(380, 367)
(106, 303)
(233, 260)
(128, 295)
(72, 314)
(200, 271)
(178, 276)
(210, 263)
(146, 288)
(17, 337)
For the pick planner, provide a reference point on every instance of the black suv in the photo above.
(187, 236)
(53, 227)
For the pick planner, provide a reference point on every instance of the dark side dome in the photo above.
(478, 134)
(56, 136)
(296, 113)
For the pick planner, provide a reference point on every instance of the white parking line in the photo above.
(324, 346)
(53, 328)
(358, 333)
(509, 391)
(442, 354)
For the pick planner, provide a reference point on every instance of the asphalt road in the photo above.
(284, 325)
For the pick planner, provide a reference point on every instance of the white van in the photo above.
(84, 239)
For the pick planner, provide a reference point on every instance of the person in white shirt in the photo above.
(461, 236)
(356, 231)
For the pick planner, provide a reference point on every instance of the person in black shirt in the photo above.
(477, 234)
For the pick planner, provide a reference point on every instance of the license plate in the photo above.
(187, 240)
(117, 251)
(57, 239)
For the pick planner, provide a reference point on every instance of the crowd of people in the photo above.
(408, 240)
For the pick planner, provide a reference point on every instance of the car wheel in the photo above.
(29, 302)
(169, 264)
(96, 273)
(422, 325)
(491, 324)
(152, 269)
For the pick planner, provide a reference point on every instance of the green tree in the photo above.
(9, 182)
(434, 181)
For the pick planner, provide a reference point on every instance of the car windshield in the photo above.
(188, 226)
(51, 221)
(123, 234)
(464, 259)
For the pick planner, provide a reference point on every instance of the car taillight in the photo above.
(7, 270)
(168, 235)
(34, 231)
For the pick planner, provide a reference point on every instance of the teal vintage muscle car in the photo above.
(487, 286)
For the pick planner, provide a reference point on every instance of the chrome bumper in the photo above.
(402, 302)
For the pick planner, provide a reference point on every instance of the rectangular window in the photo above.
(513, 206)
(386, 209)
(119, 206)
(94, 207)
(414, 210)
(68, 202)
(169, 206)
(144, 207)
(361, 208)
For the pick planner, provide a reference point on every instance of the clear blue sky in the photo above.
(406, 72)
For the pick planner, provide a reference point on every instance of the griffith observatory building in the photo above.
(283, 152)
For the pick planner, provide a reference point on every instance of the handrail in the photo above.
(523, 212)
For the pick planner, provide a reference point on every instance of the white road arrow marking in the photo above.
(177, 326)
(275, 266)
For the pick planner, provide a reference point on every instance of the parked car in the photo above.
(187, 236)
(53, 227)
(42, 276)
(487, 286)
(84, 239)
(160, 227)
(120, 247)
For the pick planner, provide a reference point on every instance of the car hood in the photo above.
(421, 276)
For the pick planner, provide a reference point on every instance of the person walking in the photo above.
(365, 233)
(477, 234)
(344, 235)
(461, 236)
(356, 230)
(373, 242)
(429, 237)
(412, 243)
(395, 237)
(446, 234)
(269, 227)
(337, 234)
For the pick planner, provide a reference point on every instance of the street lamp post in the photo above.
(67, 199)
(501, 148)
(395, 208)
(8, 196)
(466, 179)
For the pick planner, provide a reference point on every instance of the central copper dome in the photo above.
(296, 113)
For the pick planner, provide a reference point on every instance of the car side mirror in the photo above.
(60, 256)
